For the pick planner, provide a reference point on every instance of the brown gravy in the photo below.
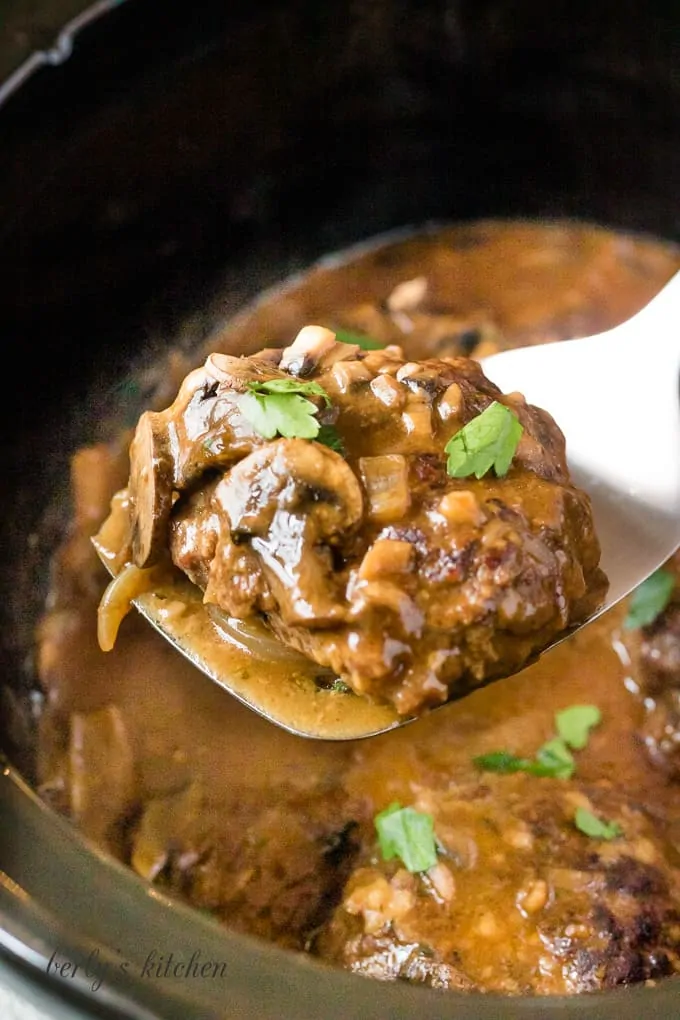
(143, 724)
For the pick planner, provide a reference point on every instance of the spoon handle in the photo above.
(616, 397)
(653, 333)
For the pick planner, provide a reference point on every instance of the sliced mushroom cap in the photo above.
(293, 499)
(102, 774)
(234, 373)
(206, 426)
(293, 475)
(315, 347)
(194, 381)
(150, 487)
(202, 429)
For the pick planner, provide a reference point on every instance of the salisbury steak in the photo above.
(519, 901)
(311, 485)
(275, 869)
(656, 650)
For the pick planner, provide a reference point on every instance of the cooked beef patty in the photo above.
(374, 558)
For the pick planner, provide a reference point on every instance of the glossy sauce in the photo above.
(509, 284)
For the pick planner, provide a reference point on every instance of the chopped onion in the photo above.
(385, 479)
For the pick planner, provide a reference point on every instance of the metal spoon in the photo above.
(616, 398)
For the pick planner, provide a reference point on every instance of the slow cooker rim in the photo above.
(21, 59)
(324, 990)
(17, 65)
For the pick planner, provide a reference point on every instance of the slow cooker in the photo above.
(157, 156)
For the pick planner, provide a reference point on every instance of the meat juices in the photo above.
(411, 585)
(274, 835)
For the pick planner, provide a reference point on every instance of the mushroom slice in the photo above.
(150, 487)
(292, 500)
(407, 295)
(234, 373)
(293, 475)
(315, 347)
(101, 772)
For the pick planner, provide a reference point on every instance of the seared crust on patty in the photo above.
(369, 558)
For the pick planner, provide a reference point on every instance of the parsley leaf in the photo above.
(366, 343)
(555, 759)
(313, 389)
(330, 437)
(488, 441)
(283, 414)
(597, 828)
(502, 761)
(575, 723)
(649, 599)
(278, 407)
(407, 834)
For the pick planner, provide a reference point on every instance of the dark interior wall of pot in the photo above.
(187, 155)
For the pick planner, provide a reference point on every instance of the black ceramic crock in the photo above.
(160, 164)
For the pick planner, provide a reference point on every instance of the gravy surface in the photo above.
(126, 734)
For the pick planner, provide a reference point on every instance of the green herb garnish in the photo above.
(407, 834)
(279, 407)
(330, 437)
(553, 759)
(649, 599)
(575, 723)
(597, 828)
(366, 343)
(287, 386)
(504, 762)
(488, 441)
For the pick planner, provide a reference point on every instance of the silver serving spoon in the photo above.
(616, 398)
